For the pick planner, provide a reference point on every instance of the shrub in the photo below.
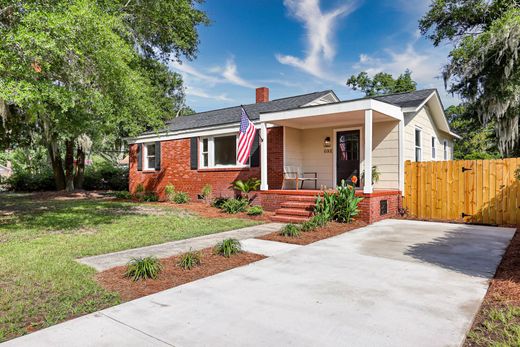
(206, 191)
(169, 190)
(218, 202)
(309, 225)
(290, 230)
(123, 194)
(340, 206)
(319, 220)
(150, 197)
(233, 206)
(255, 211)
(347, 202)
(181, 198)
(189, 260)
(246, 186)
(25, 181)
(228, 247)
(105, 176)
(143, 268)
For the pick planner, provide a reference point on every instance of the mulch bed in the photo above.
(305, 238)
(503, 292)
(172, 275)
(206, 210)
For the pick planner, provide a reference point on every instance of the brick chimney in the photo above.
(262, 94)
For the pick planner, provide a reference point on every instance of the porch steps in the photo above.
(297, 209)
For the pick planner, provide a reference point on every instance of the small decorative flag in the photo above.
(245, 138)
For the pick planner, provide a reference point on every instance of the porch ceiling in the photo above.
(332, 119)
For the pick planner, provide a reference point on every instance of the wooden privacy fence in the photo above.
(477, 191)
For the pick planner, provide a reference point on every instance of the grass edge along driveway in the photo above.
(41, 284)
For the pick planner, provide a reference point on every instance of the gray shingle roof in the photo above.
(232, 114)
(408, 99)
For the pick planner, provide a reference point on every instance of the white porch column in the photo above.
(367, 188)
(401, 156)
(263, 157)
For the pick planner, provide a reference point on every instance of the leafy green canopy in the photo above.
(90, 71)
(483, 67)
(382, 83)
(478, 142)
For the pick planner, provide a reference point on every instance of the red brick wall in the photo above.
(370, 206)
(175, 169)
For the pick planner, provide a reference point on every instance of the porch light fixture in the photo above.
(326, 142)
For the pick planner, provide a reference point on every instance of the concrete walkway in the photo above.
(393, 283)
(106, 261)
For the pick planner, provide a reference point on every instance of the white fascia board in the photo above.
(198, 132)
(340, 107)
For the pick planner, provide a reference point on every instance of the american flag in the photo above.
(245, 138)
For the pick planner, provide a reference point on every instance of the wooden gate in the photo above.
(477, 191)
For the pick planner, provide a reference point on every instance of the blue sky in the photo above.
(300, 46)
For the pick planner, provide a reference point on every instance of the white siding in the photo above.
(424, 121)
(385, 154)
(304, 148)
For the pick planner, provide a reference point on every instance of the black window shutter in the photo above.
(255, 151)
(158, 155)
(139, 157)
(194, 153)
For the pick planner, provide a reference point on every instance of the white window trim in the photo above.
(445, 149)
(434, 148)
(418, 146)
(211, 153)
(145, 156)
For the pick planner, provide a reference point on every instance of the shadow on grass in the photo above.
(65, 215)
(471, 252)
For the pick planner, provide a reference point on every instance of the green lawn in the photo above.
(41, 284)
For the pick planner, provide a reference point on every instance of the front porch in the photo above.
(329, 143)
(296, 206)
(326, 144)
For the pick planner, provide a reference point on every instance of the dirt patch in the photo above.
(172, 275)
(498, 320)
(209, 211)
(305, 238)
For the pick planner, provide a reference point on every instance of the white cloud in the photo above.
(194, 91)
(320, 32)
(425, 65)
(190, 71)
(230, 73)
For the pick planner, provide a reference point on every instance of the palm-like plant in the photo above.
(246, 186)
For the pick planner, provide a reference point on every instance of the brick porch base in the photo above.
(370, 206)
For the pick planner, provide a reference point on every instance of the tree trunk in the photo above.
(80, 169)
(69, 165)
(57, 165)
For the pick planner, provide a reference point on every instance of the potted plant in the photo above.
(375, 175)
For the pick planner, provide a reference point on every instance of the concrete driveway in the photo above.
(394, 283)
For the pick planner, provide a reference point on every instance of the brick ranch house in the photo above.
(313, 136)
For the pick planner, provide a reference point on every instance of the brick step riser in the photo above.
(298, 205)
(297, 198)
(293, 212)
(289, 219)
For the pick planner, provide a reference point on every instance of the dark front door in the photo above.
(347, 152)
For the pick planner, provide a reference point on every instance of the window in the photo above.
(218, 151)
(225, 150)
(433, 147)
(205, 153)
(149, 156)
(445, 144)
(418, 149)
